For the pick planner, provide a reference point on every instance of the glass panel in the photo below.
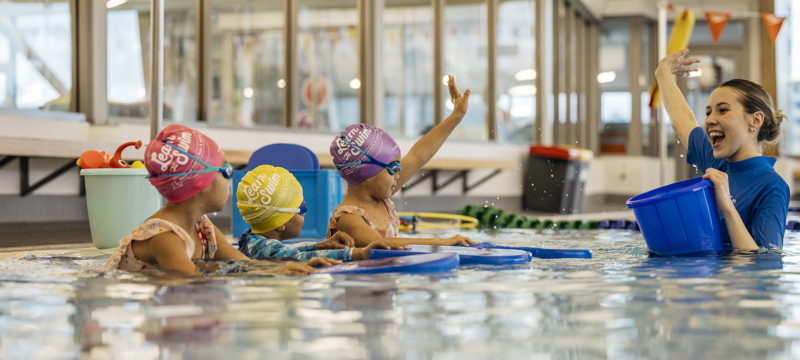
(408, 67)
(516, 54)
(128, 59)
(327, 64)
(465, 57)
(247, 62)
(787, 51)
(35, 55)
(615, 39)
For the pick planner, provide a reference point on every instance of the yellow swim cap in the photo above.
(267, 197)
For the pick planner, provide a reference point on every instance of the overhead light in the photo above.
(522, 90)
(606, 77)
(281, 83)
(355, 83)
(114, 3)
(521, 111)
(248, 92)
(697, 73)
(527, 74)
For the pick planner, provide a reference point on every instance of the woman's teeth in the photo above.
(716, 136)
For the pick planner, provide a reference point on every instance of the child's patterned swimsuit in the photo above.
(124, 259)
(389, 232)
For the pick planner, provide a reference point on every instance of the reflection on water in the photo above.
(619, 305)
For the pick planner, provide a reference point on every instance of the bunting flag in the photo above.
(773, 24)
(717, 21)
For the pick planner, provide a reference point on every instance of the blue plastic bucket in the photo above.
(680, 218)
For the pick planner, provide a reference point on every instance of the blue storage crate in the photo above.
(322, 191)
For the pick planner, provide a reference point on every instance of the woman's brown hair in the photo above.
(754, 99)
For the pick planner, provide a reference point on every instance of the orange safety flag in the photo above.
(716, 23)
(774, 24)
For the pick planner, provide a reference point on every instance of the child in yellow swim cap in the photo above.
(271, 201)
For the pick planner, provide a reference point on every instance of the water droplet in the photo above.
(215, 213)
(681, 155)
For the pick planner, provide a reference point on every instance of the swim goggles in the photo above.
(393, 167)
(302, 210)
(226, 169)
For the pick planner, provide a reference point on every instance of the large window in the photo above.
(327, 65)
(616, 99)
(128, 59)
(516, 54)
(408, 67)
(246, 53)
(787, 53)
(465, 57)
(35, 55)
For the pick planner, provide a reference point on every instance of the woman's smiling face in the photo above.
(727, 125)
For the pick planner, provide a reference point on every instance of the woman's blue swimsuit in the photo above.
(759, 194)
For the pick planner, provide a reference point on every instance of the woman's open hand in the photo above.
(676, 64)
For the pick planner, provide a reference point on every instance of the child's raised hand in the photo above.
(456, 240)
(363, 253)
(460, 103)
(339, 240)
(323, 262)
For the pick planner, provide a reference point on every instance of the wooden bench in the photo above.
(24, 149)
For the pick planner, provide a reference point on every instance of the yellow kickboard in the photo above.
(681, 32)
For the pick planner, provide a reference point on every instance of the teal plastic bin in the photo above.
(322, 191)
(118, 201)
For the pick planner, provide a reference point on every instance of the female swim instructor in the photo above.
(752, 198)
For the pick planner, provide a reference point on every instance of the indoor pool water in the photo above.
(619, 305)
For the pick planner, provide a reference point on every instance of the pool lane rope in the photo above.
(492, 217)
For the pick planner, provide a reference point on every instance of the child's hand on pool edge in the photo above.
(323, 262)
(291, 268)
(455, 240)
(339, 240)
(363, 253)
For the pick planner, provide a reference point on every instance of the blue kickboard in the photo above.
(467, 255)
(438, 262)
(541, 253)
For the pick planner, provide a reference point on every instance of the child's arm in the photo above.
(426, 148)
(680, 114)
(225, 250)
(169, 250)
(363, 235)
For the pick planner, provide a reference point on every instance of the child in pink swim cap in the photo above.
(188, 170)
(369, 160)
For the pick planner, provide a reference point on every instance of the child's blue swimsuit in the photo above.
(257, 246)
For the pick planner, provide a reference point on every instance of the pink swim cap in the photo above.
(162, 159)
(373, 141)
